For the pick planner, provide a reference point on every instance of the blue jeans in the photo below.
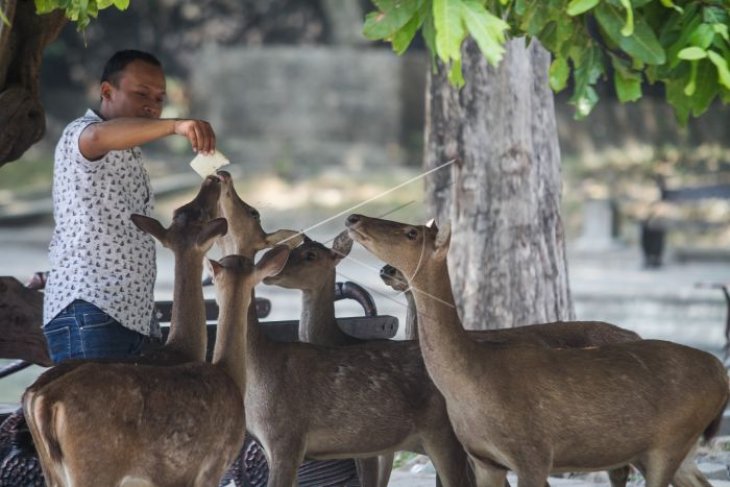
(82, 330)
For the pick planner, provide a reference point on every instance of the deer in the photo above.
(311, 268)
(645, 402)
(394, 279)
(345, 415)
(246, 236)
(124, 424)
(193, 231)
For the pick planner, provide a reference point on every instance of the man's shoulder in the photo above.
(86, 119)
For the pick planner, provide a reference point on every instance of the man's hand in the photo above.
(198, 132)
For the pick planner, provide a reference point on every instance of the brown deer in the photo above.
(534, 409)
(311, 268)
(360, 400)
(245, 235)
(190, 235)
(116, 424)
(393, 278)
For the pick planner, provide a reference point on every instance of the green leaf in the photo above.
(715, 15)
(643, 45)
(584, 103)
(121, 4)
(681, 103)
(577, 7)
(692, 53)
(702, 36)
(627, 88)
(392, 16)
(691, 86)
(626, 81)
(722, 30)
(449, 29)
(4, 18)
(402, 39)
(487, 30)
(45, 6)
(723, 73)
(428, 32)
(628, 27)
(558, 74)
(456, 77)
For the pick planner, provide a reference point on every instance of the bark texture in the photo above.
(22, 118)
(502, 195)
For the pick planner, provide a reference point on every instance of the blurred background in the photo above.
(317, 120)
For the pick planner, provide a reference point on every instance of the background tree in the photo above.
(502, 195)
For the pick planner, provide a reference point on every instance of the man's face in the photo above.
(139, 92)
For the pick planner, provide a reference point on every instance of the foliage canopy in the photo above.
(683, 45)
(80, 11)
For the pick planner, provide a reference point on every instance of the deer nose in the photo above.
(352, 219)
(224, 175)
(387, 271)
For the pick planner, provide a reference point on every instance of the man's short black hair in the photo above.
(116, 64)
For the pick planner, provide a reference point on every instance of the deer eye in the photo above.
(255, 214)
(412, 234)
(310, 256)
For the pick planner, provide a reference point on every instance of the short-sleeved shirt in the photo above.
(97, 254)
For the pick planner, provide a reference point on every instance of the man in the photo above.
(99, 297)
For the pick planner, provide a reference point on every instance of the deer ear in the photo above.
(432, 224)
(342, 246)
(306, 239)
(290, 238)
(272, 262)
(150, 225)
(215, 267)
(213, 229)
(443, 240)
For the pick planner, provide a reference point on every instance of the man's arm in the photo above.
(123, 133)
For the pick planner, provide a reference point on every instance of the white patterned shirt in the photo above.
(97, 254)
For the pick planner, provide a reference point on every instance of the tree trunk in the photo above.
(502, 195)
(22, 118)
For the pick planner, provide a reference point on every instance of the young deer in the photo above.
(190, 235)
(360, 400)
(246, 236)
(312, 269)
(393, 278)
(143, 425)
(644, 403)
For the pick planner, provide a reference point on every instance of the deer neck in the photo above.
(230, 345)
(445, 346)
(188, 335)
(317, 323)
(411, 317)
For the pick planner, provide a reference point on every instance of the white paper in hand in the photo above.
(207, 164)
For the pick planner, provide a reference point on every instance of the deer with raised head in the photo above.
(191, 234)
(246, 236)
(534, 409)
(121, 425)
(312, 268)
(360, 400)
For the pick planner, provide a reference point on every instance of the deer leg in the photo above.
(450, 461)
(283, 464)
(688, 475)
(385, 466)
(619, 477)
(660, 467)
(368, 470)
(489, 475)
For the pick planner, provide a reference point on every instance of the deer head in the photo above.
(246, 236)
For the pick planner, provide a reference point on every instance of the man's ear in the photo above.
(105, 90)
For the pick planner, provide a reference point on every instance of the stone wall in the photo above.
(303, 108)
